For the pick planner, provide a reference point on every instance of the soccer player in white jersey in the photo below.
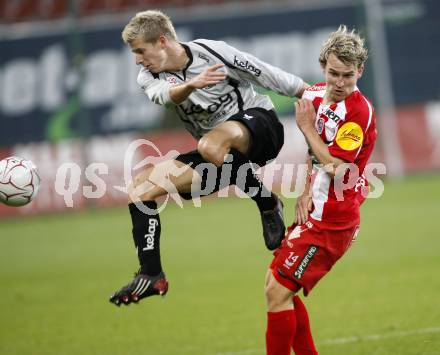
(339, 125)
(211, 86)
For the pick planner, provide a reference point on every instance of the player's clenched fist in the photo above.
(305, 114)
(210, 76)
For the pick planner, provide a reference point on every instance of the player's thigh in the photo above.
(227, 135)
(278, 296)
(171, 176)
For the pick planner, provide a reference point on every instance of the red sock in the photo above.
(303, 342)
(280, 332)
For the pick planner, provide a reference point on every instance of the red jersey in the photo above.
(349, 129)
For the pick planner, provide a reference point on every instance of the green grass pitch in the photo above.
(57, 272)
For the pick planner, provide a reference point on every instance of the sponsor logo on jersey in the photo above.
(213, 107)
(204, 57)
(172, 80)
(305, 262)
(331, 115)
(248, 117)
(149, 237)
(246, 65)
(316, 87)
(350, 136)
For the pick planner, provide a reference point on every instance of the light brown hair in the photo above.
(347, 46)
(150, 25)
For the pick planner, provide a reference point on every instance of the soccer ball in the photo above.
(19, 181)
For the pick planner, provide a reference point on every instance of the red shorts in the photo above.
(308, 252)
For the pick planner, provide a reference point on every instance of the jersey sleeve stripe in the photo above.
(370, 113)
(357, 153)
(240, 102)
(214, 53)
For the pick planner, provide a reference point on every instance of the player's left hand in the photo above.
(210, 76)
(305, 114)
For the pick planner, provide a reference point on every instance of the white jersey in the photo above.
(206, 108)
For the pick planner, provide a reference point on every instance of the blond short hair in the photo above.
(347, 46)
(151, 25)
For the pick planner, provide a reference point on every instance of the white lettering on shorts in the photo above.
(290, 260)
(305, 262)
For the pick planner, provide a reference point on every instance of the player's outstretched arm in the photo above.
(245, 66)
(300, 93)
(210, 76)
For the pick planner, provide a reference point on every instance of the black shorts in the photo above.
(267, 139)
(267, 133)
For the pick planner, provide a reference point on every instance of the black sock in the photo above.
(146, 235)
(245, 178)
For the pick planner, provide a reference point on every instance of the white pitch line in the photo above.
(244, 352)
(375, 337)
(341, 341)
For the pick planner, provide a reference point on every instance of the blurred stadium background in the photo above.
(68, 93)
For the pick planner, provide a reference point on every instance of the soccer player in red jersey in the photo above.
(339, 125)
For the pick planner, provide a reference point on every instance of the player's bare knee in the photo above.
(145, 192)
(278, 297)
(212, 152)
(140, 178)
(142, 189)
(273, 298)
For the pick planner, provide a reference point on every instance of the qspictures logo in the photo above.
(94, 182)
